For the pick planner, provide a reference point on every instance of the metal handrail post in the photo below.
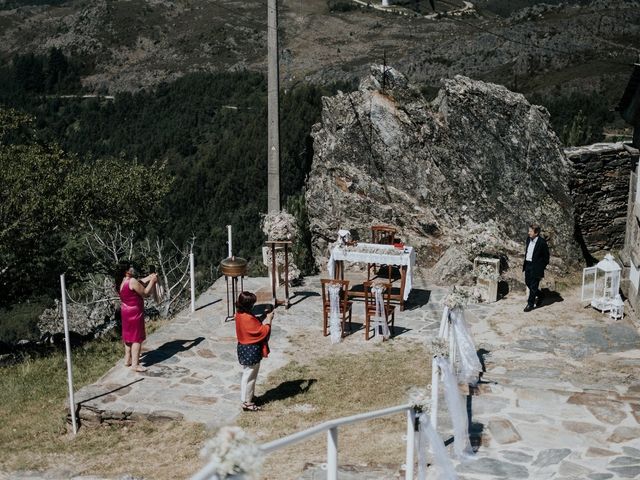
(67, 343)
(434, 393)
(411, 443)
(192, 277)
(332, 454)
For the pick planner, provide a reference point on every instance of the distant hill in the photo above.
(529, 46)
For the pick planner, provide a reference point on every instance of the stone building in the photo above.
(630, 254)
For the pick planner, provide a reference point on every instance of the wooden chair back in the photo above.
(345, 304)
(382, 234)
(344, 289)
(370, 297)
(388, 310)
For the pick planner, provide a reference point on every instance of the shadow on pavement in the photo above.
(417, 298)
(208, 304)
(287, 389)
(168, 350)
(548, 297)
(301, 296)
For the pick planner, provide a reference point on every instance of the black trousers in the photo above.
(532, 282)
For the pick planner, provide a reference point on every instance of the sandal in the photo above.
(251, 407)
(139, 369)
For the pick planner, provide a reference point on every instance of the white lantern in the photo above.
(617, 308)
(601, 284)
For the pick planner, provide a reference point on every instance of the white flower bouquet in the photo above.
(420, 399)
(486, 272)
(279, 226)
(439, 347)
(456, 299)
(231, 452)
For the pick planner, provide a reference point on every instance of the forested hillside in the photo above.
(206, 131)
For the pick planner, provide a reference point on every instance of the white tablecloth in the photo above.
(374, 253)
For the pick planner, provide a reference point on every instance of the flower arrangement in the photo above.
(279, 226)
(420, 399)
(456, 299)
(486, 272)
(232, 451)
(439, 347)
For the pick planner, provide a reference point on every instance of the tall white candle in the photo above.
(229, 239)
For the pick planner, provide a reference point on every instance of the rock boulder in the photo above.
(460, 176)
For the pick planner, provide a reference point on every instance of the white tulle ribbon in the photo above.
(454, 327)
(470, 366)
(158, 293)
(335, 324)
(457, 410)
(429, 438)
(380, 318)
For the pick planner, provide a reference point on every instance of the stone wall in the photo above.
(600, 190)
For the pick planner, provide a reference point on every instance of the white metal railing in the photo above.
(331, 427)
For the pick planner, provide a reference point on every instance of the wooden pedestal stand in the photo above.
(273, 245)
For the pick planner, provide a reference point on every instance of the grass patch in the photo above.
(33, 431)
(308, 392)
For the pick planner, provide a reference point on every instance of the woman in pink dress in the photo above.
(132, 293)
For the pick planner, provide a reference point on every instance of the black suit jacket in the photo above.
(540, 258)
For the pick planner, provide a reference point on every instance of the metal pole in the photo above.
(193, 283)
(332, 454)
(434, 393)
(230, 249)
(273, 155)
(452, 348)
(411, 443)
(72, 403)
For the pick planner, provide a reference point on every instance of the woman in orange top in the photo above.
(253, 338)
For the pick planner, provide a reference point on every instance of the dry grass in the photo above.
(322, 382)
(33, 433)
(318, 388)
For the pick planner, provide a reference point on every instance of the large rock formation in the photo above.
(459, 177)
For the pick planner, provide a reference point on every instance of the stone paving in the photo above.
(560, 397)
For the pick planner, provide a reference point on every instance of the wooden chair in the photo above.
(389, 311)
(383, 235)
(345, 304)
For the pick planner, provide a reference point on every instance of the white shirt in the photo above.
(532, 245)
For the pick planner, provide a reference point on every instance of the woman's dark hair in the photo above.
(120, 271)
(245, 302)
(535, 227)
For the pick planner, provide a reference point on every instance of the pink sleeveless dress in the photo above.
(132, 315)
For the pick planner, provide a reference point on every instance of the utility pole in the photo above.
(273, 165)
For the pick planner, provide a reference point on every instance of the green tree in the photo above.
(578, 132)
(48, 198)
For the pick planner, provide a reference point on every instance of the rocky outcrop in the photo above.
(86, 320)
(460, 177)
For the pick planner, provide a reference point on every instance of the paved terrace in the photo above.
(560, 397)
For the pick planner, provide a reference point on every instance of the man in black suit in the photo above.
(536, 259)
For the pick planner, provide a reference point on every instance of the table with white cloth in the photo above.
(404, 258)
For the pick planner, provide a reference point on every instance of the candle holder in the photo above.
(233, 268)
